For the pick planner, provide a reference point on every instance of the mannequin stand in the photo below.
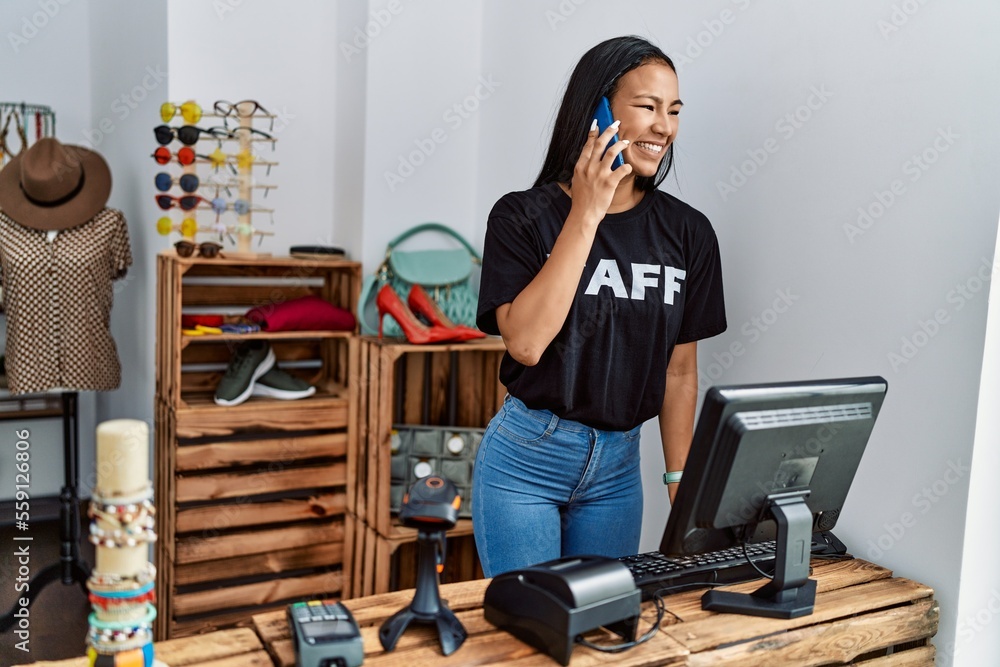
(70, 569)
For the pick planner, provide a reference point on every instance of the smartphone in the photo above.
(604, 119)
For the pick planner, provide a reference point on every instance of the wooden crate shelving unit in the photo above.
(449, 384)
(251, 499)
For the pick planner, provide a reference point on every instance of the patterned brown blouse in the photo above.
(58, 297)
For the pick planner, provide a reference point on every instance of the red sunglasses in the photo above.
(185, 155)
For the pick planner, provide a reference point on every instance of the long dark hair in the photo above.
(597, 74)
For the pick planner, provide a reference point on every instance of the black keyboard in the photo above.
(654, 571)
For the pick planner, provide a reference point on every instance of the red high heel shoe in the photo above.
(423, 304)
(387, 301)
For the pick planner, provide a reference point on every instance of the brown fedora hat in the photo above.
(53, 187)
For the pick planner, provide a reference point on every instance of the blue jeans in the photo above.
(545, 487)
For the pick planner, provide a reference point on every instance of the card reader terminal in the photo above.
(325, 635)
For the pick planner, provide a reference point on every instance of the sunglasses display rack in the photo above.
(232, 175)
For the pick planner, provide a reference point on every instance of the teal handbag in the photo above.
(444, 274)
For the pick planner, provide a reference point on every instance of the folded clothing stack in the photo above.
(308, 313)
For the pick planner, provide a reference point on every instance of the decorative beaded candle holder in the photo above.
(122, 526)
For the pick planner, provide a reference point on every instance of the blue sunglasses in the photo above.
(188, 182)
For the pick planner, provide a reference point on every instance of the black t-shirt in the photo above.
(653, 280)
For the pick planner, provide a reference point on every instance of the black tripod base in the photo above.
(451, 632)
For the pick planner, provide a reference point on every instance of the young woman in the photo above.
(601, 285)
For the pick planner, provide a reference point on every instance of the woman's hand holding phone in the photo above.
(533, 319)
(594, 180)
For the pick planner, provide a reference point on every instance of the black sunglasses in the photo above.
(188, 134)
(264, 136)
(185, 203)
(243, 109)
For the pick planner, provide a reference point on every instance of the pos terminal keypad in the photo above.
(325, 635)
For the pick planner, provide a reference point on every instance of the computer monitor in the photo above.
(772, 461)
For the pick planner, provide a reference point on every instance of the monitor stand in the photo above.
(791, 593)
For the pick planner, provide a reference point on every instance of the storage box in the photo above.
(251, 499)
(453, 385)
(419, 451)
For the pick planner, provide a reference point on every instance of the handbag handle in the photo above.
(432, 227)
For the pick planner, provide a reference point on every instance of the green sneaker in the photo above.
(251, 360)
(276, 383)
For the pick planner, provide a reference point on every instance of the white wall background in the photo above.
(366, 85)
(423, 63)
(284, 58)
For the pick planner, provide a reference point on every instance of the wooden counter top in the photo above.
(239, 647)
(861, 612)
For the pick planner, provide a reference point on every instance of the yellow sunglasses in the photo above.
(189, 110)
(188, 227)
(245, 160)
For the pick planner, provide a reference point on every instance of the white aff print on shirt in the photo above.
(643, 276)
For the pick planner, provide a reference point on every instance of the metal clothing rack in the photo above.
(27, 122)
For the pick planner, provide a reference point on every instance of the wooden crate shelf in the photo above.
(246, 520)
(251, 498)
(202, 417)
(322, 363)
(442, 385)
(450, 384)
(262, 335)
(192, 365)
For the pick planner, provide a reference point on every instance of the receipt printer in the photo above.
(548, 605)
